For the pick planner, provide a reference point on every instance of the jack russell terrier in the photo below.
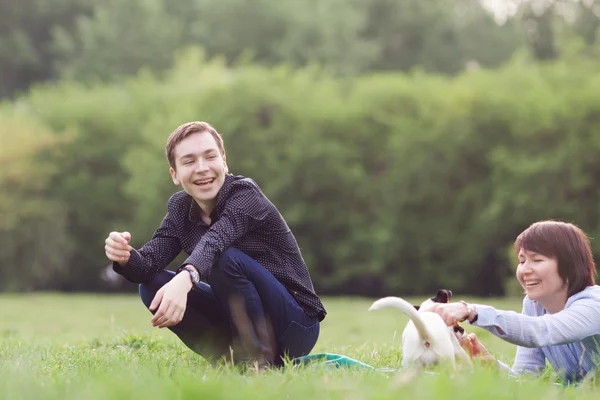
(426, 339)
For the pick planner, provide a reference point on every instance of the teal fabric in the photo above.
(332, 360)
(340, 361)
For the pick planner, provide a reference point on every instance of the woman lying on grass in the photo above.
(560, 321)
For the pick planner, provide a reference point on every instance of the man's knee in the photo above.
(228, 265)
(230, 257)
(147, 291)
(230, 260)
(146, 294)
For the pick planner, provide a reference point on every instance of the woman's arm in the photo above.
(531, 328)
(529, 361)
(580, 320)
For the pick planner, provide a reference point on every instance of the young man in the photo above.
(258, 298)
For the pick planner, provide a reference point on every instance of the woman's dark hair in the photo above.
(568, 244)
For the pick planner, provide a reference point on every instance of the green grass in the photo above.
(56, 346)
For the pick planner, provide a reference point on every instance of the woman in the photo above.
(560, 321)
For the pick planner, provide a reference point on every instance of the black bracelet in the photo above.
(470, 309)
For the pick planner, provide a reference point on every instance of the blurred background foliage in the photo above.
(406, 143)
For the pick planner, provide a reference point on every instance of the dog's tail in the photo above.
(407, 309)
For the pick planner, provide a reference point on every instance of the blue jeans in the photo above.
(244, 307)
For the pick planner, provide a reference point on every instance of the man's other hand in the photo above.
(117, 248)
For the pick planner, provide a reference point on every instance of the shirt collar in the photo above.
(194, 211)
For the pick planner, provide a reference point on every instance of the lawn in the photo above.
(56, 346)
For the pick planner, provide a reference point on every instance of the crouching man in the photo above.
(244, 290)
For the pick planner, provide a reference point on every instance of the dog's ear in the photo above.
(443, 296)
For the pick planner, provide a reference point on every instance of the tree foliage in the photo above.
(91, 40)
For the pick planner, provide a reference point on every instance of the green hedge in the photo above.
(393, 183)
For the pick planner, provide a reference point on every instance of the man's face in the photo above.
(200, 168)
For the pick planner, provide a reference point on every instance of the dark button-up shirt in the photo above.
(243, 218)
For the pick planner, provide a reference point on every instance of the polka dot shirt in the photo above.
(243, 218)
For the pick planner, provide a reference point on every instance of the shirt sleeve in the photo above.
(529, 361)
(144, 264)
(576, 322)
(244, 208)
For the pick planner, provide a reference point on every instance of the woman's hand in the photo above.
(476, 350)
(452, 313)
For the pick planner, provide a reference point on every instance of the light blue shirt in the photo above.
(569, 339)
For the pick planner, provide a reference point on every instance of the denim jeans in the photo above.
(244, 307)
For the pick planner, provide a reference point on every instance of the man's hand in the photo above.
(171, 300)
(475, 349)
(117, 247)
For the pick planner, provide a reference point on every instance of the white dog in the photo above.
(426, 339)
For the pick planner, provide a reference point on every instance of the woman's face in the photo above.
(538, 274)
